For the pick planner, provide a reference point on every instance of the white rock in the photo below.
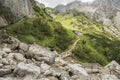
(27, 69)
(44, 67)
(39, 51)
(7, 50)
(19, 57)
(23, 46)
(78, 70)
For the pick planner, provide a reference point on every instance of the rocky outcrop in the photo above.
(23, 69)
(14, 10)
(114, 68)
(20, 61)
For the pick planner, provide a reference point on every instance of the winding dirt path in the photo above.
(69, 51)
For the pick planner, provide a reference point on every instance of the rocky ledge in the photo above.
(20, 61)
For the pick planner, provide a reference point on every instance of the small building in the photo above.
(77, 32)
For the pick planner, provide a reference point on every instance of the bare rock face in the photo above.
(14, 10)
(41, 54)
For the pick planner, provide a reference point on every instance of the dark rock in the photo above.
(4, 72)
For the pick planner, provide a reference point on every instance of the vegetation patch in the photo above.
(43, 30)
(95, 45)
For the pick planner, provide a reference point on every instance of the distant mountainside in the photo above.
(105, 11)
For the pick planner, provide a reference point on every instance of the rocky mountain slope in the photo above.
(14, 10)
(105, 11)
(25, 59)
(19, 61)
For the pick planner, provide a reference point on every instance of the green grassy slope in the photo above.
(43, 30)
(95, 44)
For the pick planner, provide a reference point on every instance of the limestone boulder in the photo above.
(23, 70)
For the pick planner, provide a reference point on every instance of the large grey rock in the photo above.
(23, 70)
(41, 54)
(78, 70)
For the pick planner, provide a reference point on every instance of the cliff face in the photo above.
(13, 10)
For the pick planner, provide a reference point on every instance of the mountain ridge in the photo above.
(105, 11)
